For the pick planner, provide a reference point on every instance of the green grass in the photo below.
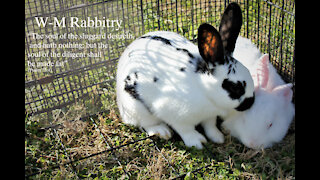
(141, 160)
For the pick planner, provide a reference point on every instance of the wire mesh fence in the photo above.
(70, 70)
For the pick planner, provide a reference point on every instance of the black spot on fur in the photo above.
(159, 38)
(186, 51)
(164, 40)
(155, 79)
(246, 104)
(229, 68)
(131, 85)
(229, 59)
(142, 37)
(235, 90)
(168, 42)
(182, 69)
(203, 67)
(128, 78)
(131, 88)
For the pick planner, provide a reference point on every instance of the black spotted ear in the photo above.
(230, 26)
(210, 44)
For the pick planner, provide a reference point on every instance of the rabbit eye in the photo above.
(270, 125)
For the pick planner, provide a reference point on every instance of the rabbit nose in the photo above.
(246, 104)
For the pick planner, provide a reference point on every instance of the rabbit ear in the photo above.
(262, 72)
(284, 90)
(210, 44)
(230, 26)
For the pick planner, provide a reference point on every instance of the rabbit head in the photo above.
(236, 88)
(268, 120)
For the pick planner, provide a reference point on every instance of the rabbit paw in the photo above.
(212, 132)
(194, 139)
(214, 135)
(161, 130)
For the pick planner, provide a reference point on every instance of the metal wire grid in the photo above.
(46, 91)
(269, 24)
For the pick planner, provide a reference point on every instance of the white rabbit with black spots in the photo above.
(164, 79)
(269, 118)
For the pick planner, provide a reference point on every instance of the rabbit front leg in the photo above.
(154, 126)
(211, 130)
(189, 135)
(161, 130)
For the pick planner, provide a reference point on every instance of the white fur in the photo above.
(272, 104)
(179, 99)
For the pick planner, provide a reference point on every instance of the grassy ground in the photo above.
(87, 142)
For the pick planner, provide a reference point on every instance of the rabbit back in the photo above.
(160, 78)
